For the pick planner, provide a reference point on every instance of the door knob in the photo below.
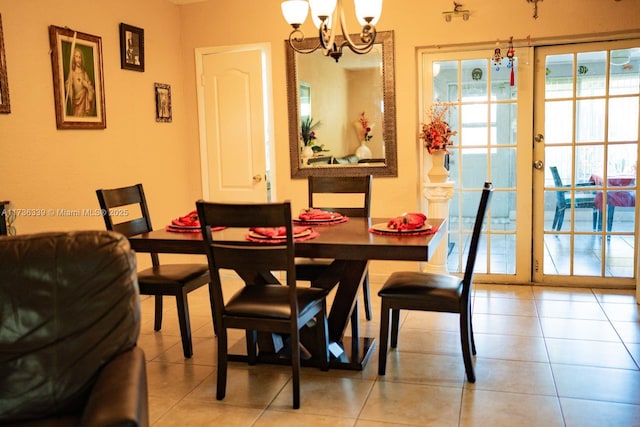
(538, 164)
(257, 178)
(539, 137)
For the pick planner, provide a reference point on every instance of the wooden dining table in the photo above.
(351, 245)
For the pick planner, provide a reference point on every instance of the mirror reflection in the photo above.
(342, 115)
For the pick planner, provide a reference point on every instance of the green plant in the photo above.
(308, 133)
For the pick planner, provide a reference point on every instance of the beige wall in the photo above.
(45, 168)
(50, 169)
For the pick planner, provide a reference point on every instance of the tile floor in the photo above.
(546, 357)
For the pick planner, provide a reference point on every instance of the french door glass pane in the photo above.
(587, 255)
(557, 251)
(557, 114)
(501, 88)
(619, 252)
(624, 76)
(588, 162)
(590, 80)
(443, 89)
(622, 112)
(502, 249)
(622, 160)
(504, 211)
(559, 76)
(590, 120)
(473, 83)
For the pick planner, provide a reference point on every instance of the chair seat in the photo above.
(173, 274)
(271, 301)
(441, 290)
(581, 201)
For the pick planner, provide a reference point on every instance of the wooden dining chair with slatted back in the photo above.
(411, 290)
(309, 269)
(160, 280)
(261, 305)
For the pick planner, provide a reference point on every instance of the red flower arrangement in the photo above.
(437, 133)
(365, 132)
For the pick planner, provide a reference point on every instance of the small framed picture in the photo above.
(78, 82)
(163, 102)
(131, 47)
(5, 106)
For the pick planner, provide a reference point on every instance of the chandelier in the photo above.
(326, 13)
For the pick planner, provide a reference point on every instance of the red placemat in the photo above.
(177, 229)
(267, 241)
(340, 220)
(431, 230)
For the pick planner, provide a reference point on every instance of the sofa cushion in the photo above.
(69, 303)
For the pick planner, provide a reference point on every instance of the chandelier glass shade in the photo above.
(326, 14)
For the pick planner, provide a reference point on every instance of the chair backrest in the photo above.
(342, 185)
(485, 198)
(112, 199)
(557, 181)
(252, 258)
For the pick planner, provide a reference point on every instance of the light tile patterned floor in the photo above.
(546, 357)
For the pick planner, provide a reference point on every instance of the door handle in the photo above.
(257, 178)
(538, 164)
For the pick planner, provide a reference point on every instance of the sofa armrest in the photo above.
(119, 397)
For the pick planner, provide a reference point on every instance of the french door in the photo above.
(585, 141)
(562, 158)
(491, 112)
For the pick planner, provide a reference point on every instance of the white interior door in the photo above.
(234, 118)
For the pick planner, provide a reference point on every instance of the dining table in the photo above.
(615, 198)
(351, 245)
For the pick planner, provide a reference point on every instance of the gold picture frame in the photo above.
(78, 82)
(163, 102)
(5, 105)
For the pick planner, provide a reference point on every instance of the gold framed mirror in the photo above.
(335, 95)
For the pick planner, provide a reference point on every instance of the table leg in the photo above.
(347, 352)
(610, 211)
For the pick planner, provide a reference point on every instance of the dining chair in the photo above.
(412, 290)
(564, 200)
(309, 269)
(175, 280)
(259, 306)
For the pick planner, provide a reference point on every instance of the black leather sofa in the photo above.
(69, 323)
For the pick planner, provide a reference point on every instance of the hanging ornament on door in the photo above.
(511, 53)
(497, 56)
